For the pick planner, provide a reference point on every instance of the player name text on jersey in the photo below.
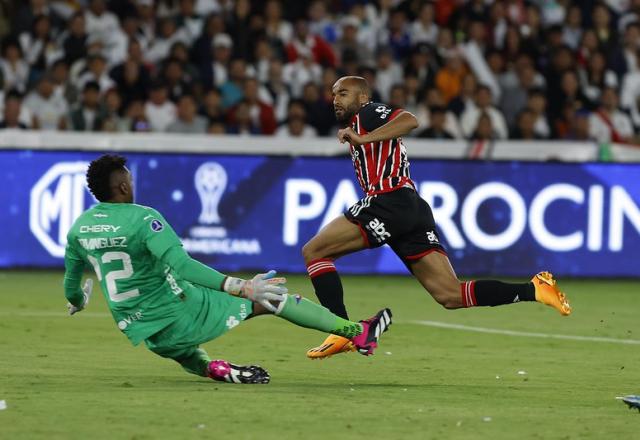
(102, 242)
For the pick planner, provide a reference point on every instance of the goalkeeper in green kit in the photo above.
(158, 294)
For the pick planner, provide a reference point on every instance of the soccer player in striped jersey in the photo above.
(158, 294)
(393, 213)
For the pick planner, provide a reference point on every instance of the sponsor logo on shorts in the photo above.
(124, 323)
(378, 228)
(232, 321)
(243, 311)
(298, 298)
(156, 225)
(432, 237)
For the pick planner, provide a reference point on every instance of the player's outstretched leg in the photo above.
(365, 343)
(363, 336)
(547, 292)
(435, 273)
(543, 288)
(196, 361)
(224, 371)
(340, 237)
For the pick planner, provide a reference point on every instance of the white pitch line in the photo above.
(496, 331)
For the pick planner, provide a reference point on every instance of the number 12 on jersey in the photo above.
(114, 275)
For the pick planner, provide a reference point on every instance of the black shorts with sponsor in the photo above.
(400, 219)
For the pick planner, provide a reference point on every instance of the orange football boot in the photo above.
(334, 344)
(547, 292)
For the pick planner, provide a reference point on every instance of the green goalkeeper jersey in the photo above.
(124, 243)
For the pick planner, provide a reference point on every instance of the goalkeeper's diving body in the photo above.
(158, 294)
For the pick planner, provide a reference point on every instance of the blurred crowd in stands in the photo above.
(468, 69)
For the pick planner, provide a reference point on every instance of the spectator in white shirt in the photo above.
(572, 31)
(122, 39)
(13, 68)
(97, 71)
(38, 46)
(627, 56)
(277, 90)
(262, 56)
(207, 7)
(62, 87)
(168, 35)
(275, 27)
(424, 29)
(595, 77)
(469, 119)
(630, 94)
(631, 14)
(349, 41)
(146, 19)
(159, 110)
(608, 123)
(188, 21)
(47, 108)
(537, 104)
(388, 73)
(301, 71)
(222, 46)
(101, 25)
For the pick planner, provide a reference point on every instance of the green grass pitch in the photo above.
(78, 378)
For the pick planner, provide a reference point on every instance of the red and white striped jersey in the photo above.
(380, 166)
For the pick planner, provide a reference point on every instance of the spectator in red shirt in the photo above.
(261, 114)
(303, 41)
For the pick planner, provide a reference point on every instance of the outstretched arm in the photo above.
(74, 266)
(192, 270)
(397, 127)
(262, 289)
(164, 244)
(72, 278)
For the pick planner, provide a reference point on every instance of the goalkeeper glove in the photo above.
(86, 292)
(261, 289)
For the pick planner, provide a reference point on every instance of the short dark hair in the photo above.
(91, 85)
(484, 87)
(99, 175)
(13, 94)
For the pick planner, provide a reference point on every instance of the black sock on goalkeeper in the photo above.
(495, 293)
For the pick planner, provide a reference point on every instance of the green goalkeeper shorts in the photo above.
(207, 315)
